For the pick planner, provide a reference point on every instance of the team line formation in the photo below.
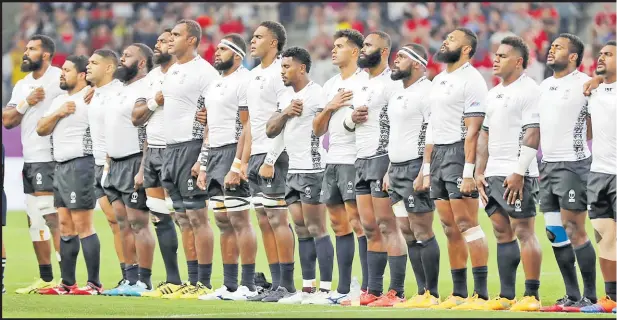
(120, 131)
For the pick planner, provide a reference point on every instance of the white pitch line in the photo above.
(269, 312)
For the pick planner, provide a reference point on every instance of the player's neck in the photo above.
(77, 88)
(412, 79)
(511, 78)
(451, 67)
(105, 81)
(39, 73)
(231, 70)
(348, 70)
(373, 72)
(188, 56)
(609, 79)
(268, 59)
(166, 66)
(563, 73)
(300, 84)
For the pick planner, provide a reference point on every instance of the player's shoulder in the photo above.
(496, 89)
(334, 79)
(471, 73)
(528, 85)
(54, 71)
(580, 77)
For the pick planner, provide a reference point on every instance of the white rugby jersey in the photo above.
(342, 143)
(184, 89)
(71, 134)
(409, 111)
(602, 110)
(35, 147)
(264, 87)
(155, 129)
(373, 135)
(305, 150)
(224, 100)
(510, 111)
(122, 138)
(101, 100)
(563, 112)
(453, 97)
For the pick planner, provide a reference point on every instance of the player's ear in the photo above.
(46, 56)
(573, 56)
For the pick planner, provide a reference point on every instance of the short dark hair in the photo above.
(147, 53)
(471, 37)
(519, 45)
(47, 44)
(610, 43)
(576, 46)
(237, 40)
(108, 55)
(419, 49)
(278, 31)
(166, 30)
(383, 36)
(299, 54)
(353, 36)
(80, 62)
(193, 28)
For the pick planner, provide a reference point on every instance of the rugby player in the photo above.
(184, 90)
(601, 192)
(297, 107)
(150, 172)
(509, 139)
(30, 99)
(66, 121)
(457, 99)
(267, 175)
(101, 68)
(124, 144)
(339, 194)
(220, 168)
(409, 112)
(368, 118)
(564, 171)
(4, 205)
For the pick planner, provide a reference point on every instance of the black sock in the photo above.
(586, 258)
(609, 287)
(363, 251)
(376, 267)
(91, 247)
(531, 288)
(308, 257)
(122, 267)
(480, 275)
(69, 250)
(230, 276)
(145, 276)
(193, 271)
(248, 276)
(275, 273)
(46, 272)
(205, 272)
(325, 257)
(565, 260)
(415, 257)
(430, 259)
(398, 266)
(132, 273)
(168, 244)
(345, 250)
(287, 277)
(459, 280)
(508, 259)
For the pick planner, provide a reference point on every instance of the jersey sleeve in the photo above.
(208, 76)
(324, 91)
(531, 111)
(317, 102)
(242, 94)
(16, 95)
(476, 92)
(55, 105)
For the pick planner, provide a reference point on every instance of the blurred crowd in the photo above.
(82, 27)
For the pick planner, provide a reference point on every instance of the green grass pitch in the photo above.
(22, 269)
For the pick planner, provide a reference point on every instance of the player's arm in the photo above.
(17, 107)
(473, 113)
(589, 125)
(205, 149)
(46, 125)
(143, 110)
(248, 141)
(276, 123)
(482, 149)
(244, 119)
(322, 119)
